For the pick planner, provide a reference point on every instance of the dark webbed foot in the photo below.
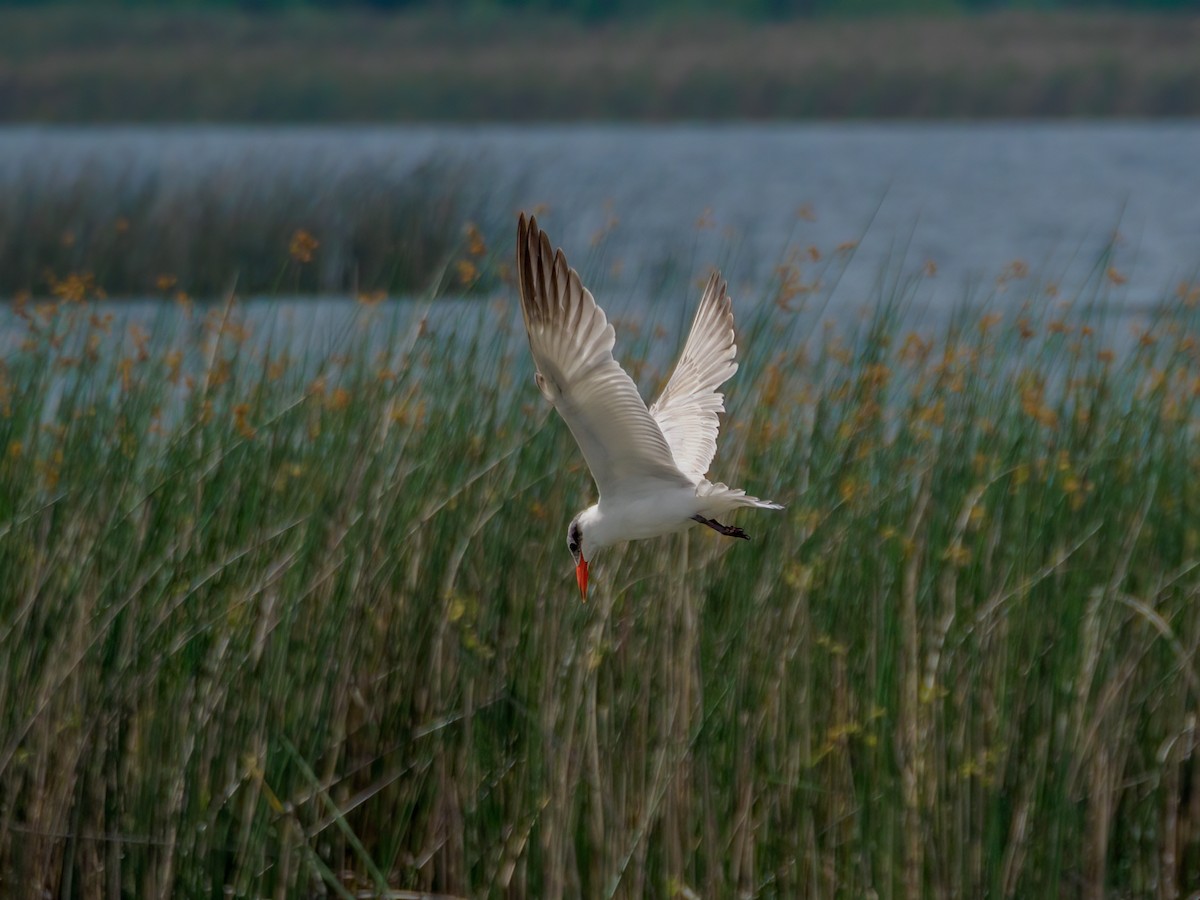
(727, 530)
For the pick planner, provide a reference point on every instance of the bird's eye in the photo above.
(573, 547)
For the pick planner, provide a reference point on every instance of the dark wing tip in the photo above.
(537, 269)
(527, 231)
(547, 282)
(527, 228)
(528, 234)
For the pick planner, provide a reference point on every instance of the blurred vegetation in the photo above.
(286, 622)
(487, 62)
(146, 233)
(623, 8)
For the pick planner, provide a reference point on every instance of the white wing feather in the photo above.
(571, 342)
(687, 410)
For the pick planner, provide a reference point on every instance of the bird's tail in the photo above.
(721, 498)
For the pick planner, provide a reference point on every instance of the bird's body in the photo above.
(649, 464)
(661, 510)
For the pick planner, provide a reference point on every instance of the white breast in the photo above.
(633, 517)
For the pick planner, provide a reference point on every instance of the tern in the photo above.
(649, 464)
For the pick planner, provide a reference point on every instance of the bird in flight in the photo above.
(649, 464)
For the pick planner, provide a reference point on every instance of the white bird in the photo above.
(648, 464)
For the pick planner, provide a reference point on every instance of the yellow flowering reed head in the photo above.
(303, 246)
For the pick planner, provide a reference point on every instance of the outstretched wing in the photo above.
(571, 342)
(688, 407)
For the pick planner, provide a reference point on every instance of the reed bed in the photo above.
(283, 627)
(142, 229)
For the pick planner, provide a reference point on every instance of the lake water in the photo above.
(970, 198)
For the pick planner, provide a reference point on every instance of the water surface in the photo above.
(968, 198)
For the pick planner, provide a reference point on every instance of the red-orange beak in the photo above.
(581, 576)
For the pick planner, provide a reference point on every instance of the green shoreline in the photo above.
(82, 65)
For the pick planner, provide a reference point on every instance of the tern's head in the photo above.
(575, 545)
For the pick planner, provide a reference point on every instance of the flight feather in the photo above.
(689, 406)
(571, 341)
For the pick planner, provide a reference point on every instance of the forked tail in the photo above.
(720, 498)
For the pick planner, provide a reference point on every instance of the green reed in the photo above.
(282, 627)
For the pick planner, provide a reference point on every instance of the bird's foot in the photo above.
(727, 530)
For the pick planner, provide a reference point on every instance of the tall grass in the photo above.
(273, 629)
(203, 232)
